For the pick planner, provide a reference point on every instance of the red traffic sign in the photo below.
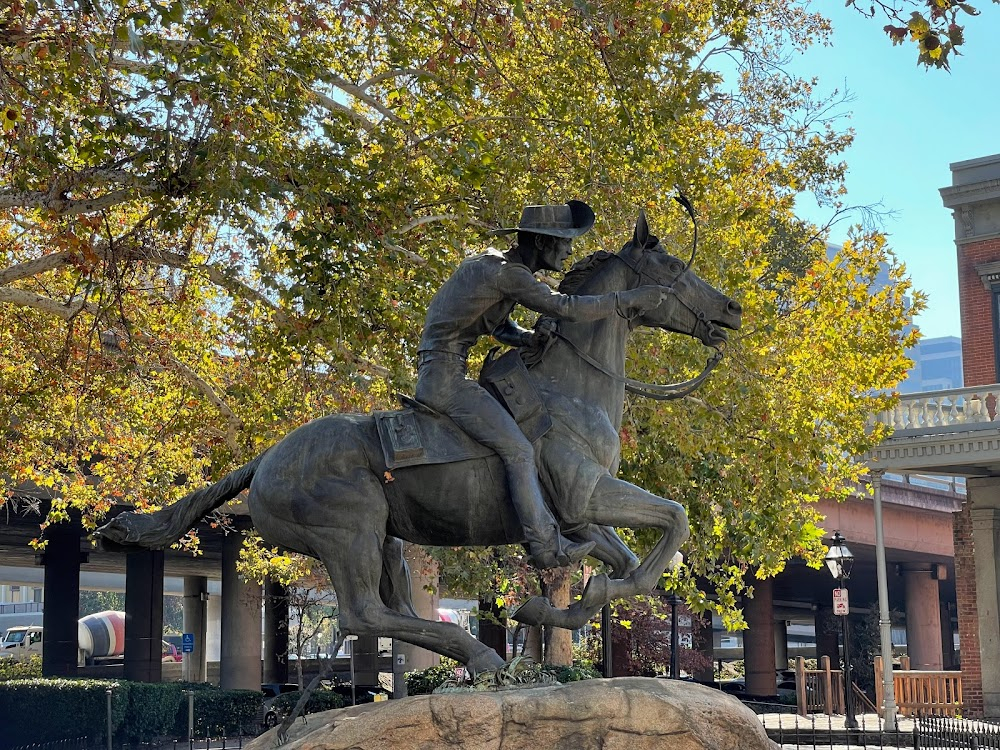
(840, 602)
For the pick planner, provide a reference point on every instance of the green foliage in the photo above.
(320, 700)
(220, 713)
(289, 187)
(12, 669)
(573, 673)
(152, 712)
(141, 712)
(92, 602)
(426, 681)
(64, 709)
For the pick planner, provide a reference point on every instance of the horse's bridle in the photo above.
(656, 391)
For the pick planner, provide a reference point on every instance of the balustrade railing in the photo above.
(955, 410)
(922, 692)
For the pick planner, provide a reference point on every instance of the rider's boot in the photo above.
(547, 548)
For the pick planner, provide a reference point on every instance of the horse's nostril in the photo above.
(735, 308)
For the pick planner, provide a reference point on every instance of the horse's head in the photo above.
(692, 307)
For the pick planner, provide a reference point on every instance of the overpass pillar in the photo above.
(196, 622)
(240, 667)
(758, 640)
(276, 632)
(827, 634)
(144, 616)
(781, 644)
(61, 558)
(923, 615)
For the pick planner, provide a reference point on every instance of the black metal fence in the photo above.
(86, 743)
(948, 732)
(792, 731)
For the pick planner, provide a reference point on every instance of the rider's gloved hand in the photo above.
(640, 300)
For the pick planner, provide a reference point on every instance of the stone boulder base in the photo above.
(627, 713)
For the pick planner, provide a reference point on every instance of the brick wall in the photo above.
(968, 612)
(976, 310)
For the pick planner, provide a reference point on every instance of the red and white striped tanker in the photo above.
(101, 636)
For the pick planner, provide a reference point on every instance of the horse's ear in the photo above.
(641, 235)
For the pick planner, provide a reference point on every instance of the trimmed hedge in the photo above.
(11, 669)
(140, 712)
(320, 700)
(57, 709)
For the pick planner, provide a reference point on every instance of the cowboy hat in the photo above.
(565, 220)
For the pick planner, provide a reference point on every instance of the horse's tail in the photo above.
(162, 528)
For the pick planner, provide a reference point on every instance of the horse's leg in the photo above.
(618, 502)
(609, 549)
(354, 561)
(394, 587)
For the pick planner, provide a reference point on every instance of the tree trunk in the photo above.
(559, 642)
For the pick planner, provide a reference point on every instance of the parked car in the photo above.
(271, 690)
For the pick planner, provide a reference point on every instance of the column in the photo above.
(923, 615)
(758, 640)
(61, 559)
(827, 631)
(240, 667)
(275, 632)
(424, 593)
(144, 616)
(704, 642)
(984, 497)
(365, 650)
(196, 623)
(947, 638)
(781, 644)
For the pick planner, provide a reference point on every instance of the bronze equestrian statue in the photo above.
(324, 490)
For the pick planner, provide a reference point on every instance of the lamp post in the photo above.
(840, 561)
(674, 601)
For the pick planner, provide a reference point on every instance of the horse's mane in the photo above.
(583, 270)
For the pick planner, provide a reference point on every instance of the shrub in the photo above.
(11, 669)
(152, 711)
(58, 709)
(219, 713)
(573, 673)
(425, 681)
(320, 700)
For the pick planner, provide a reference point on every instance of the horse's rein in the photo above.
(655, 391)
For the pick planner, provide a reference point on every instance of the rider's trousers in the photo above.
(442, 385)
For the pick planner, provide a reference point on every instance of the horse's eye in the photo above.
(676, 266)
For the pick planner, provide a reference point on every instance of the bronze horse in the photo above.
(323, 491)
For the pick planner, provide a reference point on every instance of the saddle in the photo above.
(417, 435)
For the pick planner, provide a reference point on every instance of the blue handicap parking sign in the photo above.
(187, 643)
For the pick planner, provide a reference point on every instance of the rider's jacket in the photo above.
(480, 295)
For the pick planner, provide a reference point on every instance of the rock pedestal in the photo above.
(627, 713)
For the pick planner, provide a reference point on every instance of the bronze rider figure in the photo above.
(477, 300)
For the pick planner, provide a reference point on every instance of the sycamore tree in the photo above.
(221, 219)
(933, 26)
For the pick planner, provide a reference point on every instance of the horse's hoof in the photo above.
(596, 592)
(487, 661)
(677, 559)
(533, 611)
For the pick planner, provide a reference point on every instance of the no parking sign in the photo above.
(840, 602)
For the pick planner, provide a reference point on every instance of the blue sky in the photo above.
(910, 124)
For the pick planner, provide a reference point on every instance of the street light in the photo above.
(673, 600)
(840, 561)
